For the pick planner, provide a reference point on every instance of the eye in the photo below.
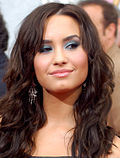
(72, 45)
(46, 49)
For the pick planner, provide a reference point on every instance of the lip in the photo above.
(61, 73)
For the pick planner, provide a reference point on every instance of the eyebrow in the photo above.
(71, 37)
(65, 39)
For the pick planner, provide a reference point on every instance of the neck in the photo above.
(59, 107)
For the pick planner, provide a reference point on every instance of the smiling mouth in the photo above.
(61, 73)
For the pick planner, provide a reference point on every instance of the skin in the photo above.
(118, 34)
(61, 56)
(60, 90)
(106, 35)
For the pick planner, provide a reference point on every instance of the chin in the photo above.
(59, 91)
(64, 90)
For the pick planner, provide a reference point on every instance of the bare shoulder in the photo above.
(115, 148)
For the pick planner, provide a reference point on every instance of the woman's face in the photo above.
(61, 65)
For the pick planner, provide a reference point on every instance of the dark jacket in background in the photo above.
(3, 64)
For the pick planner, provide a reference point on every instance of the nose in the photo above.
(60, 57)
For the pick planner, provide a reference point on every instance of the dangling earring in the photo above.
(84, 85)
(32, 94)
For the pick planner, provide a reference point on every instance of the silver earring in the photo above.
(84, 84)
(32, 95)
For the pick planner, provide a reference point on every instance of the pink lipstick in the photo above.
(61, 73)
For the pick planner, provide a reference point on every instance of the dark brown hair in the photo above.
(109, 11)
(20, 120)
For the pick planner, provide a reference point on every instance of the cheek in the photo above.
(41, 64)
(80, 60)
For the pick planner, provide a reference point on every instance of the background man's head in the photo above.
(118, 31)
(104, 15)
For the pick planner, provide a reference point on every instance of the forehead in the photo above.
(95, 12)
(60, 25)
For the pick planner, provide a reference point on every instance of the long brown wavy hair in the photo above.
(92, 137)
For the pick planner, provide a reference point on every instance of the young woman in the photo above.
(59, 84)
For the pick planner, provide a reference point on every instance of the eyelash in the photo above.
(46, 49)
(72, 45)
(69, 46)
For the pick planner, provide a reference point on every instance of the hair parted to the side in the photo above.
(109, 11)
(20, 119)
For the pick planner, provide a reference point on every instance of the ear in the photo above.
(110, 31)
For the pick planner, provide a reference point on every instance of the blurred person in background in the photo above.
(118, 33)
(3, 58)
(105, 17)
